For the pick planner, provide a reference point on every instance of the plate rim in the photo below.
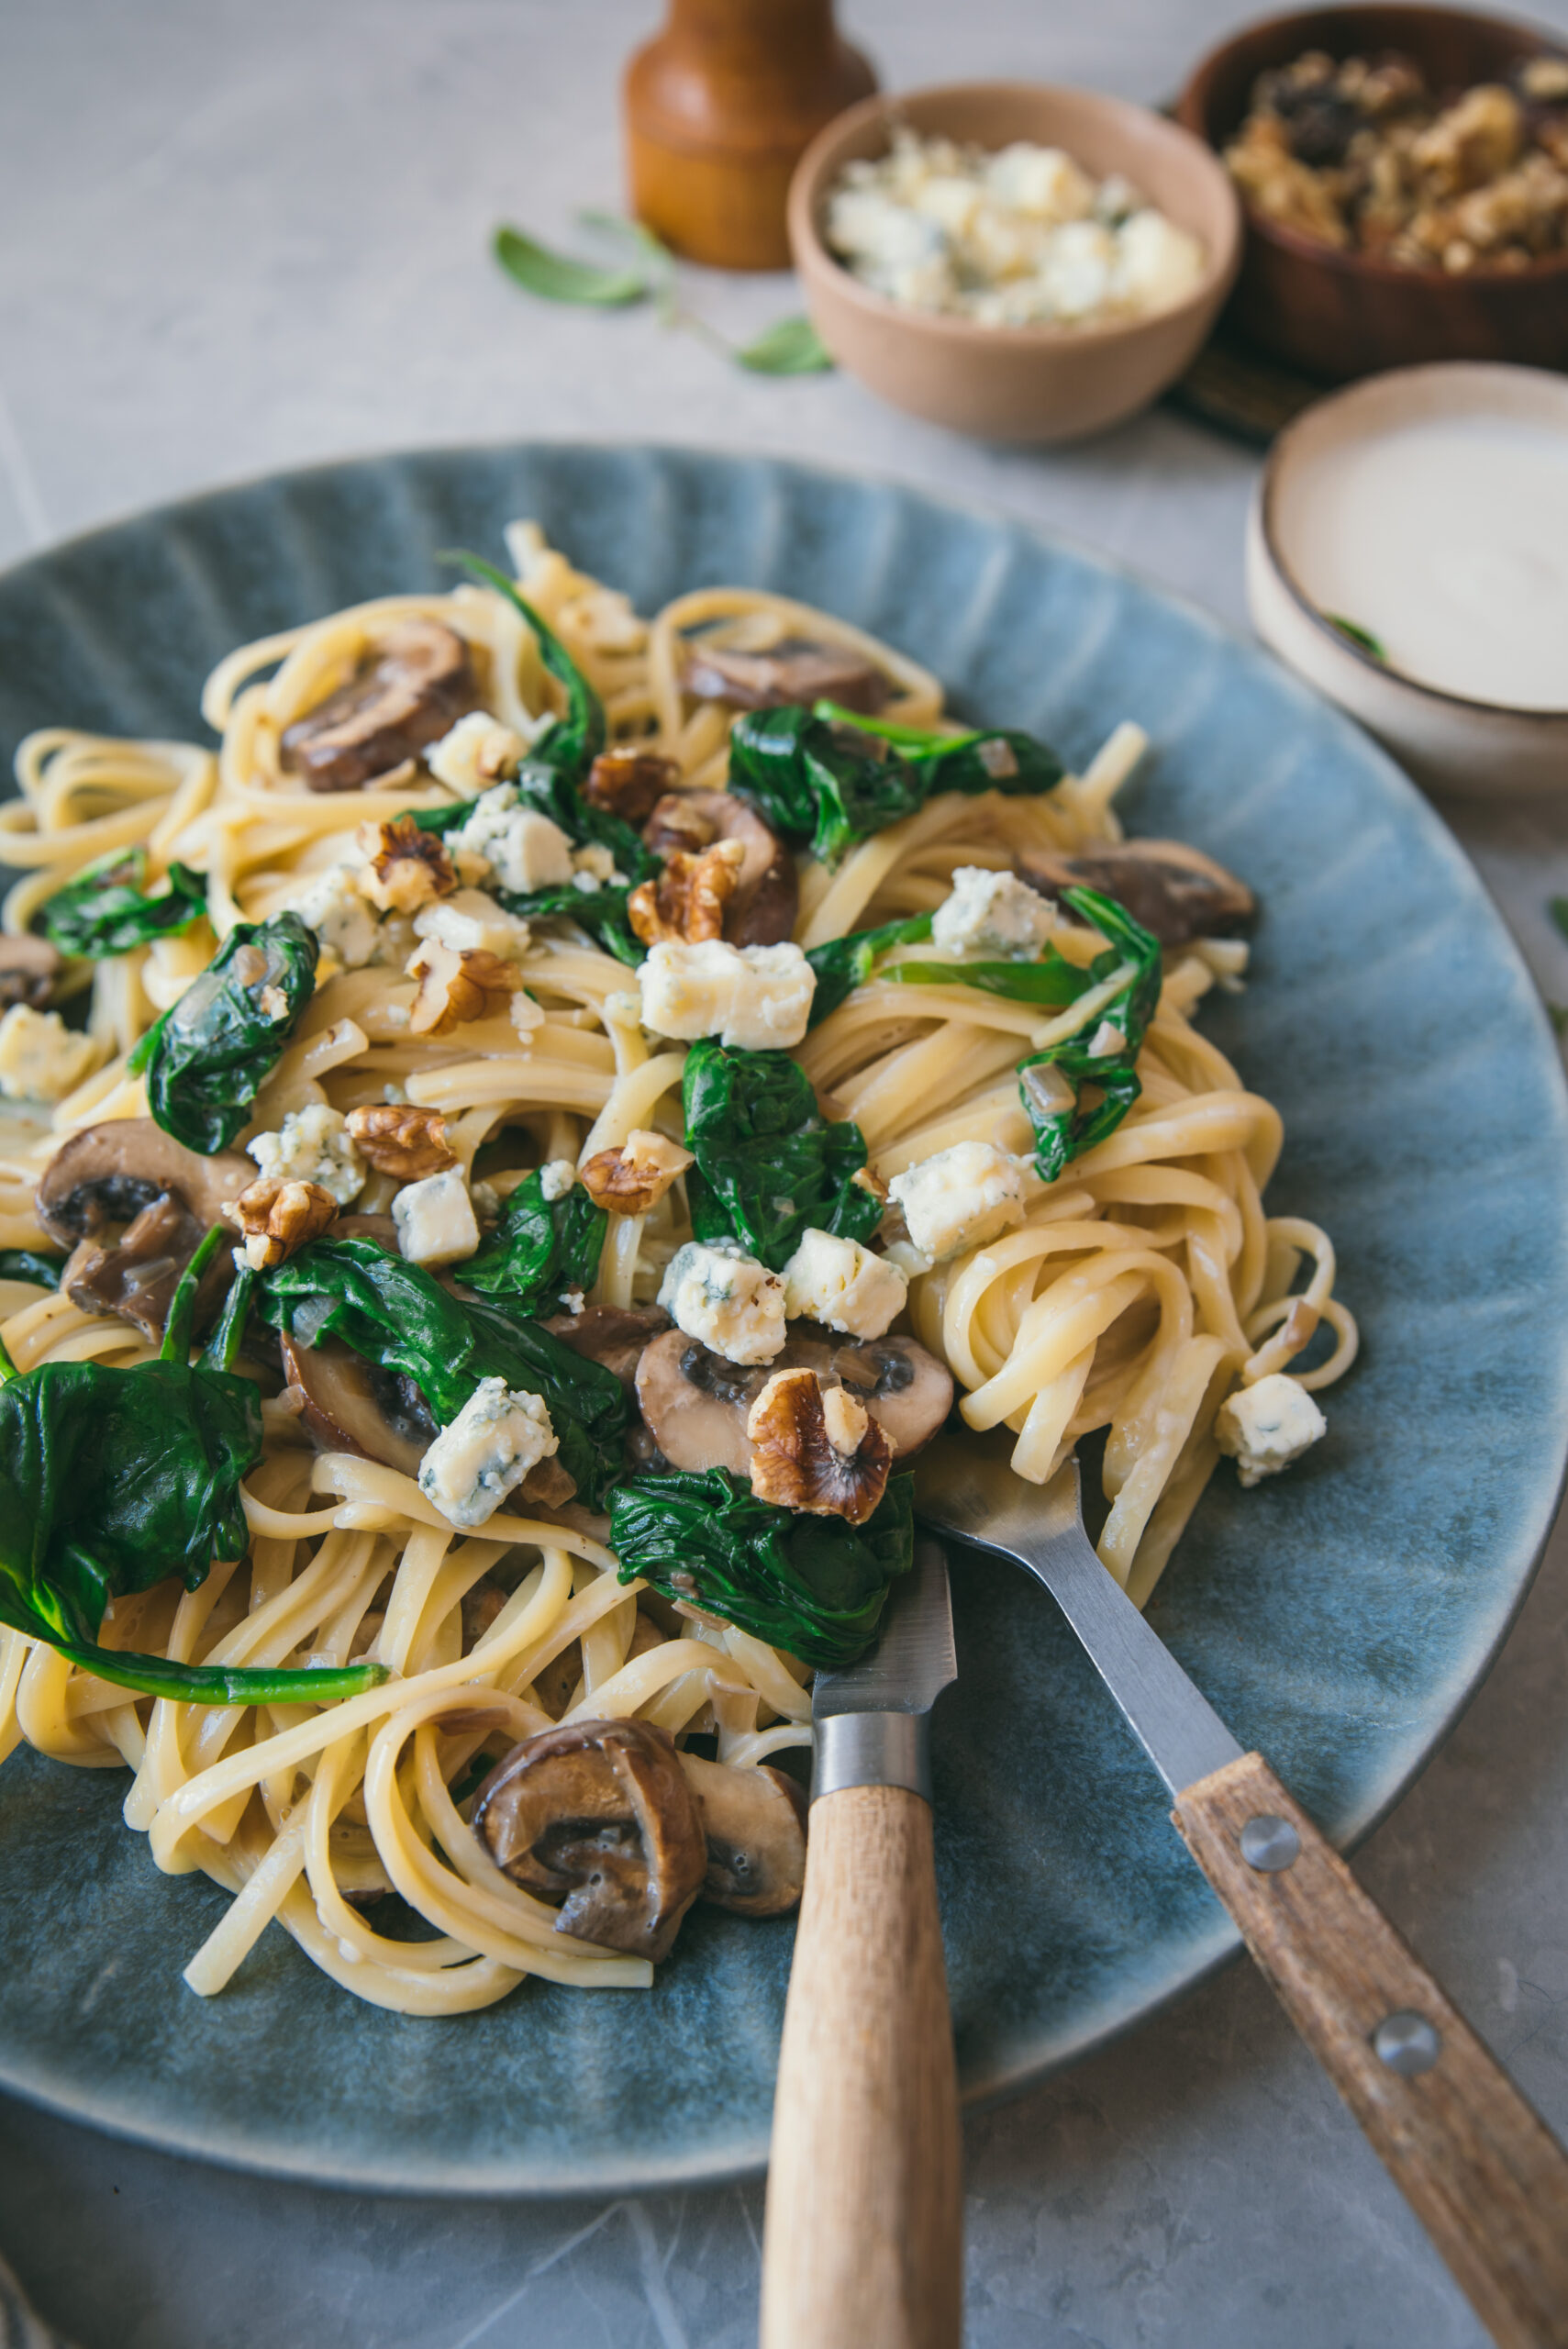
(530, 2177)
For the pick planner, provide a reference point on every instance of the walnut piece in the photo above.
(457, 984)
(628, 781)
(278, 1219)
(687, 900)
(407, 868)
(805, 1459)
(634, 1179)
(398, 1139)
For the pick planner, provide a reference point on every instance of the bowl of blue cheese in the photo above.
(1013, 260)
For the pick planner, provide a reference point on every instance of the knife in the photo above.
(1477, 2165)
(862, 2242)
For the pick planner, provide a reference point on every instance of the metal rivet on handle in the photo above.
(1408, 2042)
(1270, 1843)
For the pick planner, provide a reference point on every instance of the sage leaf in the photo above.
(789, 346)
(557, 277)
(1362, 638)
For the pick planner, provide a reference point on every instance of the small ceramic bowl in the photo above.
(1037, 383)
(1338, 315)
(1454, 745)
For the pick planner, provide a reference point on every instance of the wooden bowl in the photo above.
(1038, 383)
(1338, 315)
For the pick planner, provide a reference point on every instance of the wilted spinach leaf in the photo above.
(575, 742)
(399, 1317)
(986, 758)
(209, 1055)
(1062, 1134)
(601, 912)
(540, 1248)
(815, 1586)
(31, 1264)
(844, 963)
(1052, 980)
(106, 911)
(768, 1164)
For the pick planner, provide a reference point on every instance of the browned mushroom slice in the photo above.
(761, 907)
(612, 1334)
(795, 670)
(133, 1204)
(28, 968)
(817, 1449)
(695, 1404)
(416, 686)
(599, 1816)
(1175, 891)
(754, 1821)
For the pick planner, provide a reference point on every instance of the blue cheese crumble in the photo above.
(500, 1433)
(725, 1300)
(1263, 1427)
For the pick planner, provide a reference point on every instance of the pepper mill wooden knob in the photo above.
(719, 108)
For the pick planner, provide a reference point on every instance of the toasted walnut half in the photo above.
(407, 867)
(687, 900)
(634, 1179)
(278, 1219)
(816, 1451)
(628, 782)
(396, 1139)
(456, 984)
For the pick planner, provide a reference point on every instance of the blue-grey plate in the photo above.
(1339, 1617)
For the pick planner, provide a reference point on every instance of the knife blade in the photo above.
(873, 1720)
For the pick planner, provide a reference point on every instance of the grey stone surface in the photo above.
(236, 239)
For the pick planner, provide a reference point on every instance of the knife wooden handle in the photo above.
(1484, 2175)
(863, 2241)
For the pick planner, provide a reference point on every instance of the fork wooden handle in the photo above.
(863, 2247)
(1484, 2175)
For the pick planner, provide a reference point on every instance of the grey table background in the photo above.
(238, 238)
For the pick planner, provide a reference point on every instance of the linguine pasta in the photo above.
(1140, 1288)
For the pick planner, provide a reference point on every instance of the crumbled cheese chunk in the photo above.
(843, 1286)
(469, 920)
(959, 1198)
(1043, 182)
(993, 913)
(751, 997)
(478, 751)
(435, 1220)
(556, 1177)
(500, 1433)
(723, 1298)
(1265, 1427)
(344, 920)
(40, 1058)
(593, 866)
(313, 1146)
(523, 849)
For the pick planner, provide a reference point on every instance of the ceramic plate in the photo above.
(1339, 1617)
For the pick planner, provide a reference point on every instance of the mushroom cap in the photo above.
(414, 686)
(760, 909)
(29, 968)
(754, 1824)
(136, 1278)
(602, 1812)
(614, 1335)
(799, 669)
(696, 1404)
(107, 1174)
(349, 1406)
(1173, 890)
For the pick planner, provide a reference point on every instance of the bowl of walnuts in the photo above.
(1404, 175)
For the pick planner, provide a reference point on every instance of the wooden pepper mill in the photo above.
(718, 110)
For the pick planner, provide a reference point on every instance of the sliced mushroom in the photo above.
(416, 686)
(798, 670)
(602, 1813)
(1173, 890)
(695, 1404)
(760, 908)
(29, 968)
(755, 1822)
(133, 1205)
(615, 1335)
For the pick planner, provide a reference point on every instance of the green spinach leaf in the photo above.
(105, 910)
(540, 1248)
(209, 1055)
(575, 742)
(1062, 1134)
(1052, 980)
(815, 1586)
(768, 1164)
(31, 1264)
(400, 1317)
(601, 912)
(983, 759)
(844, 963)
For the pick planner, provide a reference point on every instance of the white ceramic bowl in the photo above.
(1451, 743)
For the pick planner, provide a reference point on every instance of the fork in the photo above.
(1481, 2172)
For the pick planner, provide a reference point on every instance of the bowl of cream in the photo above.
(1407, 553)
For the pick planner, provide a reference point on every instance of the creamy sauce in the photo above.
(1447, 541)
